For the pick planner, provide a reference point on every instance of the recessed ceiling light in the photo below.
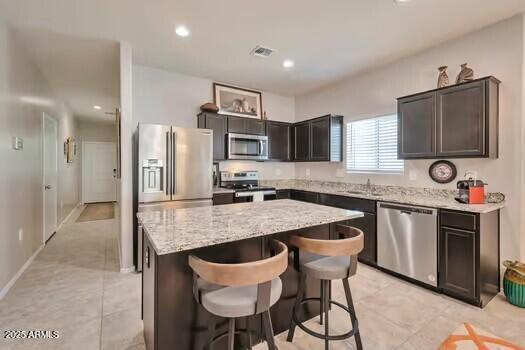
(288, 63)
(401, 1)
(182, 31)
(97, 107)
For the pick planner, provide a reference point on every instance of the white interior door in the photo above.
(98, 177)
(50, 175)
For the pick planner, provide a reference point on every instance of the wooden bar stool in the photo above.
(327, 260)
(240, 290)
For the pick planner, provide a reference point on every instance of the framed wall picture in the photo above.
(232, 100)
(70, 149)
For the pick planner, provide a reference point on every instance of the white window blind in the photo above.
(371, 145)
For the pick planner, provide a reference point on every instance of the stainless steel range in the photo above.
(246, 186)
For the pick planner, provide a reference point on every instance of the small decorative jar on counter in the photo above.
(514, 282)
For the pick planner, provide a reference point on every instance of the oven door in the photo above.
(257, 196)
(252, 147)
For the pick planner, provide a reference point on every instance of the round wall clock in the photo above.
(443, 171)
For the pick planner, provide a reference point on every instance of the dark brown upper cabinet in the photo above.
(319, 139)
(217, 123)
(279, 137)
(239, 125)
(301, 137)
(416, 125)
(319, 134)
(459, 121)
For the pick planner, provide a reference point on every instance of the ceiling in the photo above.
(83, 72)
(328, 40)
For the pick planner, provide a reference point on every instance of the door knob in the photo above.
(47, 187)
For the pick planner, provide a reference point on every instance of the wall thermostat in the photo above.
(18, 143)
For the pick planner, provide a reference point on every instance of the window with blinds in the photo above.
(371, 146)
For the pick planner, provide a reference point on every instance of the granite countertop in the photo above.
(177, 230)
(219, 190)
(426, 197)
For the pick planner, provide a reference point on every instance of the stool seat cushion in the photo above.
(325, 267)
(202, 287)
(238, 301)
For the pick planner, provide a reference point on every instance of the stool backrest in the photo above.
(337, 247)
(244, 274)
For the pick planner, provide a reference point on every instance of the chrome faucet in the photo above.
(368, 186)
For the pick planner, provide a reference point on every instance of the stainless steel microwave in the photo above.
(250, 147)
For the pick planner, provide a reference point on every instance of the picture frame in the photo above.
(237, 101)
(70, 149)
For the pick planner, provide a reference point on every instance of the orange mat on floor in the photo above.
(467, 337)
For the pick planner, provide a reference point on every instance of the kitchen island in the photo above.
(228, 234)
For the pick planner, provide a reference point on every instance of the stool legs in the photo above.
(322, 300)
(298, 298)
(211, 332)
(325, 308)
(249, 330)
(350, 303)
(268, 330)
(231, 333)
(326, 305)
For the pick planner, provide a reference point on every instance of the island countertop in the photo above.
(177, 230)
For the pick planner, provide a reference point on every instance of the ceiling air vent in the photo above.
(260, 51)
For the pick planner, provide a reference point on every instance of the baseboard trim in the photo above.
(79, 204)
(3, 291)
(127, 269)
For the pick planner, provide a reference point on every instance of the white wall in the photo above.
(498, 51)
(24, 96)
(125, 185)
(165, 97)
(96, 131)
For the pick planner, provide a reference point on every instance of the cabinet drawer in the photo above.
(350, 203)
(222, 198)
(283, 194)
(304, 196)
(465, 221)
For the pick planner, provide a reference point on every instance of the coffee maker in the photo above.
(471, 191)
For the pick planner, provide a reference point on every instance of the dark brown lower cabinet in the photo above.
(469, 255)
(222, 198)
(149, 300)
(174, 320)
(283, 194)
(367, 223)
(458, 262)
(304, 196)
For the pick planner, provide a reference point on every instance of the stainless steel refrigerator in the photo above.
(174, 168)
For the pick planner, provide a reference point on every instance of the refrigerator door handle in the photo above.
(173, 163)
(168, 165)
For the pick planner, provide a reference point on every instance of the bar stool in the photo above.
(327, 260)
(240, 290)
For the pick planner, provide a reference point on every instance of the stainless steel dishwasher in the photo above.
(407, 241)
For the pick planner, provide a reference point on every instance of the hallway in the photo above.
(74, 286)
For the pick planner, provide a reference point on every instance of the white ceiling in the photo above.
(84, 72)
(328, 40)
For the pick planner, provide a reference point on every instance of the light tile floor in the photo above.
(394, 314)
(74, 286)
